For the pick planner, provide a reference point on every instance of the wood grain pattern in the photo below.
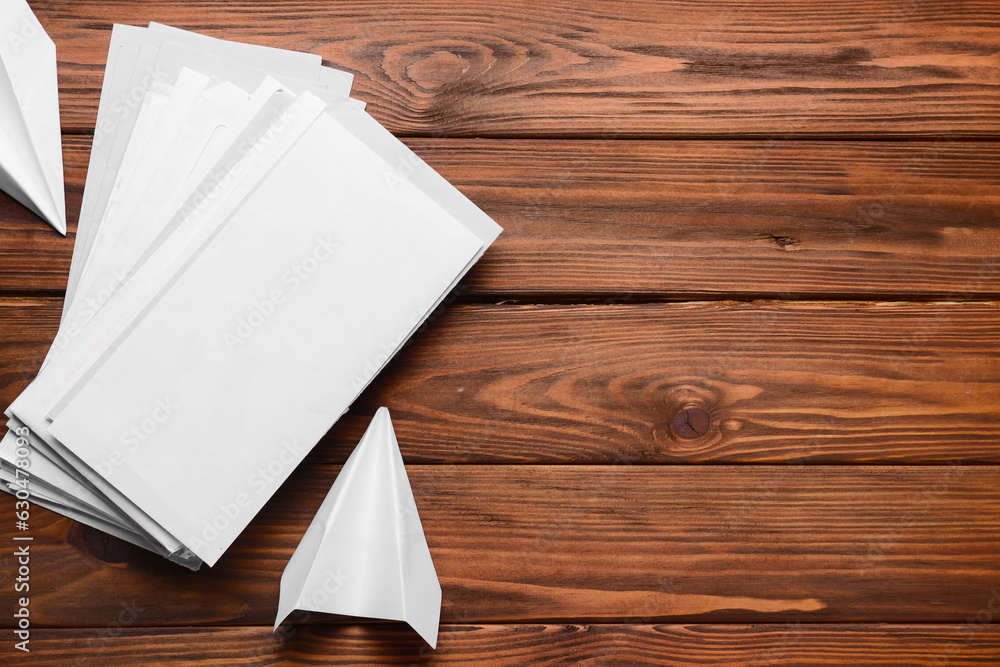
(643, 67)
(593, 544)
(782, 382)
(637, 153)
(518, 645)
(591, 220)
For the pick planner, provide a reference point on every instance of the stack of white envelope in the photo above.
(252, 249)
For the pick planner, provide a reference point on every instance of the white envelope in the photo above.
(247, 162)
(134, 62)
(31, 161)
(197, 108)
(337, 81)
(411, 168)
(269, 330)
(98, 276)
(240, 168)
(364, 553)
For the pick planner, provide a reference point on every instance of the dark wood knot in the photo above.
(104, 547)
(691, 423)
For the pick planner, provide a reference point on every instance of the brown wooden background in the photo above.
(783, 213)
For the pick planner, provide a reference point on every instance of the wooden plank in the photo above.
(27, 328)
(874, 69)
(495, 645)
(532, 544)
(814, 382)
(680, 220)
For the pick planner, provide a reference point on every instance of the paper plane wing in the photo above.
(31, 166)
(364, 553)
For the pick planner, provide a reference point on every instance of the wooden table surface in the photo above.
(726, 390)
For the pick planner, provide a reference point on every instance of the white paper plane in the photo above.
(31, 166)
(364, 553)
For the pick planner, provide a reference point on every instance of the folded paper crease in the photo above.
(365, 554)
(31, 161)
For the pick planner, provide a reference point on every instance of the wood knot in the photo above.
(428, 69)
(691, 423)
(437, 69)
(103, 547)
(787, 243)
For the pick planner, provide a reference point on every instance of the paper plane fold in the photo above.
(31, 166)
(364, 553)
